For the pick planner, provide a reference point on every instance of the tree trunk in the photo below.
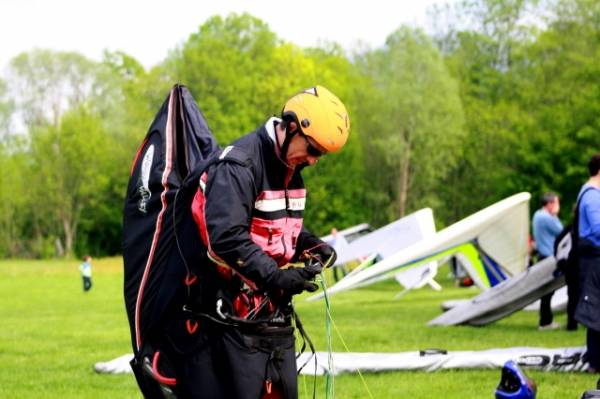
(403, 184)
(68, 238)
(59, 248)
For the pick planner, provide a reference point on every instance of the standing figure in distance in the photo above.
(85, 268)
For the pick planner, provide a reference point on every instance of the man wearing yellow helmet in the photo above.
(249, 212)
(320, 115)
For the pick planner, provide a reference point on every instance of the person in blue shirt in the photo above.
(588, 253)
(546, 227)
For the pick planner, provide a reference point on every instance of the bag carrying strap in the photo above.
(575, 234)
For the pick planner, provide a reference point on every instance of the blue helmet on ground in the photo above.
(514, 383)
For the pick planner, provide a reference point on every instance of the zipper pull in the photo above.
(287, 199)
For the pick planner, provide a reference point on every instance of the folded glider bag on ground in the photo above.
(505, 298)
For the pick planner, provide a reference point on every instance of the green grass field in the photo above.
(52, 334)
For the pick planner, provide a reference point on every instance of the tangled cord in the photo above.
(329, 378)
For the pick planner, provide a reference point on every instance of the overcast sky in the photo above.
(148, 29)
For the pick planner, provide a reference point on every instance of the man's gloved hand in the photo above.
(294, 280)
(326, 253)
(312, 245)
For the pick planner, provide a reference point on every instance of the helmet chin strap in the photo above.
(283, 147)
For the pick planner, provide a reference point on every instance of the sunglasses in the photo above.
(311, 149)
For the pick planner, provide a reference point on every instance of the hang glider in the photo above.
(558, 302)
(505, 298)
(386, 240)
(491, 242)
(350, 233)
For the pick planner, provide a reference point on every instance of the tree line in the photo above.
(498, 97)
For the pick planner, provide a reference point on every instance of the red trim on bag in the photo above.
(137, 156)
(159, 218)
(158, 376)
(190, 279)
(191, 326)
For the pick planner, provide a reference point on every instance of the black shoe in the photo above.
(572, 326)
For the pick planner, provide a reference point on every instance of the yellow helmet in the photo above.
(320, 115)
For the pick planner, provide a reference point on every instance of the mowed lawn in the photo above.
(52, 333)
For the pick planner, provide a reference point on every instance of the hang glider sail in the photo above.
(558, 302)
(505, 298)
(497, 235)
(350, 233)
(386, 240)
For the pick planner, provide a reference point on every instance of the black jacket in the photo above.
(249, 209)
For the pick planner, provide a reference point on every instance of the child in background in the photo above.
(86, 272)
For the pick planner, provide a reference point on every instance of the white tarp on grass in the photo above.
(544, 359)
(559, 359)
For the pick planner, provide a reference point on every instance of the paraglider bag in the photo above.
(161, 245)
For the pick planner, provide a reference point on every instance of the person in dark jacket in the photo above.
(588, 251)
(249, 212)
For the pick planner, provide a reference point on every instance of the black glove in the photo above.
(326, 254)
(294, 280)
(323, 254)
(313, 246)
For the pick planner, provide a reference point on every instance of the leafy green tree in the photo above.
(561, 91)
(412, 121)
(46, 83)
(239, 72)
(71, 162)
(6, 110)
(485, 55)
(14, 209)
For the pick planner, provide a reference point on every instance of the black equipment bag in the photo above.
(566, 243)
(157, 213)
